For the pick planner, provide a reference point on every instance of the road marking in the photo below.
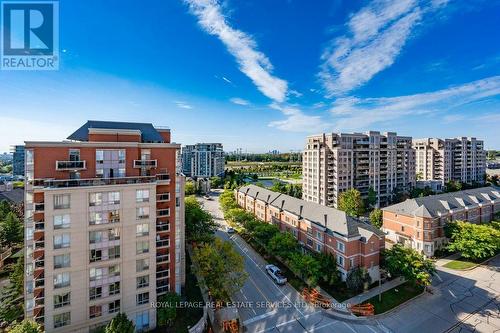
(245, 296)
(262, 316)
(349, 326)
(287, 322)
(371, 329)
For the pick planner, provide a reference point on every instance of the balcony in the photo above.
(39, 225)
(164, 258)
(163, 212)
(148, 164)
(163, 177)
(163, 197)
(163, 227)
(162, 243)
(70, 165)
(39, 207)
(65, 183)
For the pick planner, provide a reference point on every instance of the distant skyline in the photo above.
(262, 75)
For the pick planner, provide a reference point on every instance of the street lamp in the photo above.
(382, 271)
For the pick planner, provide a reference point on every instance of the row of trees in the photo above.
(284, 157)
(473, 241)
(11, 227)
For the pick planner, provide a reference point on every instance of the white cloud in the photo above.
(239, 101)
(183, 105)
(376, 35)
(242, 46)
(353, 113)
(297, 121)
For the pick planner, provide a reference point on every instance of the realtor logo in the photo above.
(29, 35)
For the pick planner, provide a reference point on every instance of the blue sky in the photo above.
(262, 75)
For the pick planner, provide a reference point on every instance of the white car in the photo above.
(230, 230)
(275, 274)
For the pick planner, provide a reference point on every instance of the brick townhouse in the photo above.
(318, 228)
(419, 223)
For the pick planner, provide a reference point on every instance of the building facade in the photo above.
(318, 228)
(419, 223)
(333, 163)
(18, 160)
(203, 160)
(104, 226)
(460, 159)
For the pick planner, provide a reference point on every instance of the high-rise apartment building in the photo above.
(18, 160)
(203, 160)
(104, 226)
(333, 163)
(460, 159)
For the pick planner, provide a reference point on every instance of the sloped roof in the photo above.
(333, 219)
(433, 205)
(148, 132)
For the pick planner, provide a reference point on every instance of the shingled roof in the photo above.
(433, 205)
(148, 132)
(335, 221)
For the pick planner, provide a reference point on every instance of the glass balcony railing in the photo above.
(65, 183)
(145, 163)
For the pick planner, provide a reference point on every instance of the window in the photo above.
(114, 252)
(402, 228)
(114, 288)
(114, 197)
(74, 154)
(95, 237)
(318, 247)
(142, 247)
(351, 262)
(62, 261)
(61, 241)
(99, 156)
(95, 199)
(61, 280)
(114, 306)
(95, 292)
(340, 261)
(142, 195)
(114, 270)
(62, 319)
(61, 201)
(62, 300)
(142, 281)
(142, 298)
(95, 255)
(340, 246)
(142, 265)
(309, 230)
(95, 311)
(121, 156)
(310, 242)
(319, 235)
(142, 321)
(95, 218)
(142, 229)
(96, 273)
(142, 213)
(61, 221)
(114, 234)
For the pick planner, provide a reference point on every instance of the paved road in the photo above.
(267, 307)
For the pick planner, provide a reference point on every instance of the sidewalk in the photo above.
(443, 261)
(374, 292)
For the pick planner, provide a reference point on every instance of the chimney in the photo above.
(326, 219)
(282, 204)
(300, 211)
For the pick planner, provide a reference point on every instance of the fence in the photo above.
(202, 323)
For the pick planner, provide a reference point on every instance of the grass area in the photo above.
(460, 264)
(395, 297)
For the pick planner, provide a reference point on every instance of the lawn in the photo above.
(395, 297)
(461, 264)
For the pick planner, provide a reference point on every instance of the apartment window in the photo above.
(95, 199)
(95, 292)
(95, 237)
(340, 246)
(99, 156)
(62, 319)
(114, 252)
(142, 229)
(114, 306)
(142, 321)
(318, 247)
(351, 262)
(61, 241)
(142, 281)
(62, 300)
(142, 195)
(142, 298)
(114, 270)
(142, 265)
(62, 261)
(142, 247)
(121, 156)
(309, 230)
(61, 280)
(340, 261)
(95, 311)
(114, 197)
(402, 228)
(61, 221)
(319, 235)
(95, 218)
(96, 273)
(142, 213)
(114, 288)
(113, 234)
(310, 242)
(61, 201)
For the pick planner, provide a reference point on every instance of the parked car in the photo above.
(230, 230)
(207, 197)
(275, 274)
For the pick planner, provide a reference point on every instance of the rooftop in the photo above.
(148, 132)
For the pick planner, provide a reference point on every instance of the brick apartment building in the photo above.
(419, 223)
(104, 226)
(318, 228)
(335, 162)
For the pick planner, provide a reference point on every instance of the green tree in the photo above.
(372, 197)
(11, 230)
(356, 278)
(283, 244)
(473, 241)
(221, 267)
(306, 267)
(215, 182)
(227, 200)
(27, 326)
(168, 311)
(351, 202)
(238, 215)
(190, 188)
(376, 218)
(453, 186)
(120, 324)
(328, 272)
(11, 297)
(200, 225)
(407, 262)
(4, 209)
(263, 232)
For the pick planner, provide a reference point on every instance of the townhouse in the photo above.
(318, 228)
